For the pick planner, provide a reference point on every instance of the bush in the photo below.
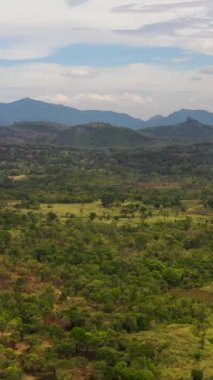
(197, 374)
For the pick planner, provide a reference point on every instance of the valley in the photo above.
(106, 190)
(106, 262)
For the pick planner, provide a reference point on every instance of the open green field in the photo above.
(123, 213)
(179, 349)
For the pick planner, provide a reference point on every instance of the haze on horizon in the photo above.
(143, 57)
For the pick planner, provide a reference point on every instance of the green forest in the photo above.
(106, 262)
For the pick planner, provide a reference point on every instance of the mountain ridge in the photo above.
(31, 110)
(176, 117)
(100, 135)
(190, 131)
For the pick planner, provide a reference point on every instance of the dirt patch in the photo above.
(196, 294)
(22, 347)
(160, 185)
(17, 178)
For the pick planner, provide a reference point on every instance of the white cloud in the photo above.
(35, 28)
(93, 97)
(141, 90)
(57, 99)
(79, 72)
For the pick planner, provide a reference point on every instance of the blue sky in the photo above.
(111, 55)
(116, 55)
(142, 56)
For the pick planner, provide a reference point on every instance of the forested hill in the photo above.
(190, 131)
(89, 135)
(100, 135)
(104, 135)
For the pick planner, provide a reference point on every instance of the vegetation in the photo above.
(104, 135)
(190, 131)
(106, 263)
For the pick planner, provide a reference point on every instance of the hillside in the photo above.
(30, 132)
(100, 135)
(190, 131)
(89, 135)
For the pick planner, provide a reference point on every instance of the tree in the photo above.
(65, 349)
(80, 337)
(197, 374)
(108, 354)
(34, 362)
(210, 203)
(108, 199)
(93, 215)
(13, 373)
(200, 331)
(3, 323)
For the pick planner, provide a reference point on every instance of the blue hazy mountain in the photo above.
(34, 110)
(181, 116)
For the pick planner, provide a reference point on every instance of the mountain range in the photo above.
(37, 111)
(100, 135)
(190, 131)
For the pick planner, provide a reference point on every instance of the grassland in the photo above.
(122, 213)
(178, 349)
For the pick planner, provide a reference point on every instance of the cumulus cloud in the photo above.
(57, 99)
(138, 89)
(93, 97)
(35, 29)
(79, 72)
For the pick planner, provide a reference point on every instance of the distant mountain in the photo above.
(34, 110)
(181, 116)
(190, 131)
(100, 135)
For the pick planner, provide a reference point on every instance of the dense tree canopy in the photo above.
(106, 263)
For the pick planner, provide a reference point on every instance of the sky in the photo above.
(142, 57)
